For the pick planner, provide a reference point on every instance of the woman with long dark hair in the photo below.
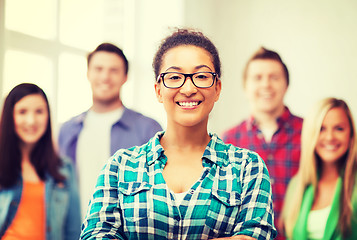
(38, 190)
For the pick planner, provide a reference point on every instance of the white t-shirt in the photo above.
(316, 223)
(268, 134)
(93, 150)
(180, 196)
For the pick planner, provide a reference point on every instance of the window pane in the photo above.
(74, 93)
(35, 17)
(23, 67)
(86, 23)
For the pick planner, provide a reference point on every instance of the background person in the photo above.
(185, 183)
(321, 201)
(38, 190)
(93, 136)
(272, 130)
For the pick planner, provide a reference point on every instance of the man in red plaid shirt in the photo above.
(271, 131)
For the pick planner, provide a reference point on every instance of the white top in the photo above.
(316, 223)
(268, 134)
(179, 197)
(93, 150)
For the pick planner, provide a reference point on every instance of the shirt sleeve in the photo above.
(103, 220)
(256, 215)
(73, 219)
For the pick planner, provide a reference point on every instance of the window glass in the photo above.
(74, 93)
(36, 17)
(81, 23)
(23, 67)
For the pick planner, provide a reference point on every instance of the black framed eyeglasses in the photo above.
(177, 79)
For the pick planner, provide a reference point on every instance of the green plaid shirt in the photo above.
(132, 201)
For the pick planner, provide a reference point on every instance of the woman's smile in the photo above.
(188, 105)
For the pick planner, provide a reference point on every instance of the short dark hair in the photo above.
(263, 53)
(186, 37)
(43, 156)
(108, 47)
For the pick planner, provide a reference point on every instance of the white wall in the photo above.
(153, 21)
(316, 39)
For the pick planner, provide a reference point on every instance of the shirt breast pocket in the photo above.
(134, 201)
(223, 212)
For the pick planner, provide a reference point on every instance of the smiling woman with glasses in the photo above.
(185, 183)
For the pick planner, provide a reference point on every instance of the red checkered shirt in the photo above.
(281, 155)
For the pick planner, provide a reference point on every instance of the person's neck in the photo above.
(329, 173)
(100, 107)
(26, 150)
(185, 138)
(29, 173)
(267, 120)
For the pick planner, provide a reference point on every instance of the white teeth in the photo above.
(330, 147)
(188, 104)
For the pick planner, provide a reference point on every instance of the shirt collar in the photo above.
(154, 149)
(80, 118)
(282, 120)
(215, 152)
(124, 118)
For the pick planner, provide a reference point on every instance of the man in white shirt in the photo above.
(90, 138)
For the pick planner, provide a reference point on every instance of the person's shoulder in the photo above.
(66, 167)
(292, 116)
(232, 132)
(297, 118)
(137, 119)
(295, 123)
(137, 115)
(245, 153)
(237, 127)
(242, 160)
(132, 154)
(67, 170)
(238, 154)
(76, 120)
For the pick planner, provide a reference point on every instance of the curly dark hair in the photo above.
(184, 36)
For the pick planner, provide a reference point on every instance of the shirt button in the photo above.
(228, 201)
(192, 191)
(177, 218)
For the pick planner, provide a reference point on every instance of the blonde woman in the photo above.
(321, 201)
